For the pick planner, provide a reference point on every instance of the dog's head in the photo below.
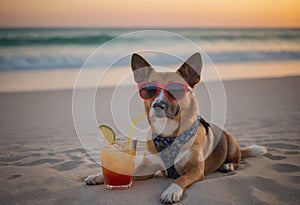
(168, 96)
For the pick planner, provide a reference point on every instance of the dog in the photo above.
(180, 144)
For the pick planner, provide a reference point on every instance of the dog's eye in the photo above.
(176, 91)
(148, 90)
(151, 90)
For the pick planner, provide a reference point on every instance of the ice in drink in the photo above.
(118, 164)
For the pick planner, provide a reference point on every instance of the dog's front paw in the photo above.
(94, 179)
(158, 174)
(228, 167)
(172, 194)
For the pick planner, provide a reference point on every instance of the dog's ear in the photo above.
(140, 67)
(190, 70)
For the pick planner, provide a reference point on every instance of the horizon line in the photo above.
(146, 27)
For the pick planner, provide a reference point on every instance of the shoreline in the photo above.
(109, 87)
(65, 79)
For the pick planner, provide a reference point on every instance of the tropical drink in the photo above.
(117, 157)
(118, 163)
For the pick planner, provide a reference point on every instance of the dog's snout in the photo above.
(160, 104)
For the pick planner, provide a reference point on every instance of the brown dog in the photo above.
(180, 145)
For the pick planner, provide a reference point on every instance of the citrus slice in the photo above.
(108, 133)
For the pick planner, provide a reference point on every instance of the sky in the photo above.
(149, 13)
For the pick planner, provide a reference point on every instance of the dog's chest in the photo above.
(174, 151)
(183, 158)
(164, 126)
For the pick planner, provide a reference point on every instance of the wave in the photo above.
(254, 56)
(10, 63)
(32, 37)
(76, 40)
(245, 37)
(27, 49)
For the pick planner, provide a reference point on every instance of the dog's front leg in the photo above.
(149, 168)
(174, 192)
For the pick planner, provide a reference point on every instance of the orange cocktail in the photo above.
(118, 164)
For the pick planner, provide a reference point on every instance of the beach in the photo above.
(66, 68)
(43, 161)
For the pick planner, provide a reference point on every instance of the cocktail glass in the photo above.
(118, 163)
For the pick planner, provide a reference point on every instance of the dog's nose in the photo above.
(160, 104)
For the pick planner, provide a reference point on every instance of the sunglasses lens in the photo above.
(175, 90)
(148, 90)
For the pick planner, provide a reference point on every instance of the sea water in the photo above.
(61, 49)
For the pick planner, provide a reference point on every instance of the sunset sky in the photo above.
(150, 13)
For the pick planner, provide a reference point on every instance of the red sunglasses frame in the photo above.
(163, 86)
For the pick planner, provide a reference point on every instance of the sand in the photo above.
(43, 162)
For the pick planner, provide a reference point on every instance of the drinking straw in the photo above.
(133, 127)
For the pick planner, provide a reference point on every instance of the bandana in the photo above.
(168, 153)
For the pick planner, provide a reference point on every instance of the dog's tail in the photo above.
(253, 150)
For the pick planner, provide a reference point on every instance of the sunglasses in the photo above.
(173, 90)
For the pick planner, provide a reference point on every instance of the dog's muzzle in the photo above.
(158, 106)
(162, 109)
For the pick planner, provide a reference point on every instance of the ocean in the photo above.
(66, 49)
(61, 48)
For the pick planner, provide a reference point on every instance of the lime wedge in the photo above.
(108, 133)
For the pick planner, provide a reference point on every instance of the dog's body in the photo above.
(208, 150)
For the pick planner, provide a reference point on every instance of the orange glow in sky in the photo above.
(150, 13)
